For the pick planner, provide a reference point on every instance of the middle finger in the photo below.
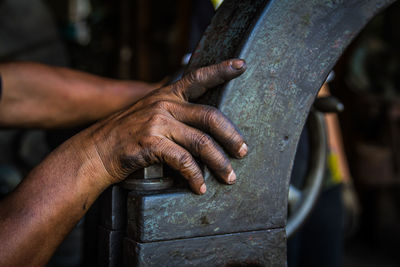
(212, 121)
(203, 146)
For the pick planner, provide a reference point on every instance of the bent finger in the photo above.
(181, 160)
(203, 146)
(214, 122)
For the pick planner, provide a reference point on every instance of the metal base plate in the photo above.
(256, 248)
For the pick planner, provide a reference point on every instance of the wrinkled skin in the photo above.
(165, 127)
(161, 127)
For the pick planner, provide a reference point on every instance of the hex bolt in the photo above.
(149, 178)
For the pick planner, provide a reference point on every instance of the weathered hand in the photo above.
(165, 127)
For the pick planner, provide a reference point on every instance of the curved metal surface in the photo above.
(315, 175)
(290, 47)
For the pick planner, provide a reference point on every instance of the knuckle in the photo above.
(189, 168)
(178, 89)
(186, 161)
(203, 141)
(160, 105)
(212, 116)
(157, 119)
(195, 76)
(149, 141)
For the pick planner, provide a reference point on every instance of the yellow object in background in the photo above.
(216, 3)
(337, 161)
(333, 165)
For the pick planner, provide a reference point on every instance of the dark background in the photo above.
(147, 40)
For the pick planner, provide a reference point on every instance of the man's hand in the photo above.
(162, 127)
(165, 127)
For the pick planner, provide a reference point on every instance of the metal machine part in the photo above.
(150, 178)
(288, 60)
(328, 104)
(301, 201)
(290, 47)
(148, 184)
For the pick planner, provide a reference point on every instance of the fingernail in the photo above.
(243, 150)
(232, 177)
(238, 64)
(203, 188)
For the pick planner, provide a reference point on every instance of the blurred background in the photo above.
(368, 83)
(147, 40)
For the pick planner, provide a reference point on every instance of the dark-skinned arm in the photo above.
(39, 96)
(161, 127)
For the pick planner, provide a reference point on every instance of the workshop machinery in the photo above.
(290, 47)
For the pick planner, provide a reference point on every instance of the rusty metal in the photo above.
(290, 47)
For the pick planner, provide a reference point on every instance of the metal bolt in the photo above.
(149, 178)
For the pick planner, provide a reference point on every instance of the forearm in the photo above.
(36, 217)
(36, 95)
(161, 127)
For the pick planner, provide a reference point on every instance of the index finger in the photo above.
(197, 82)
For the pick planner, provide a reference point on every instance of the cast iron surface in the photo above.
(267, 249)
(290, 47)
